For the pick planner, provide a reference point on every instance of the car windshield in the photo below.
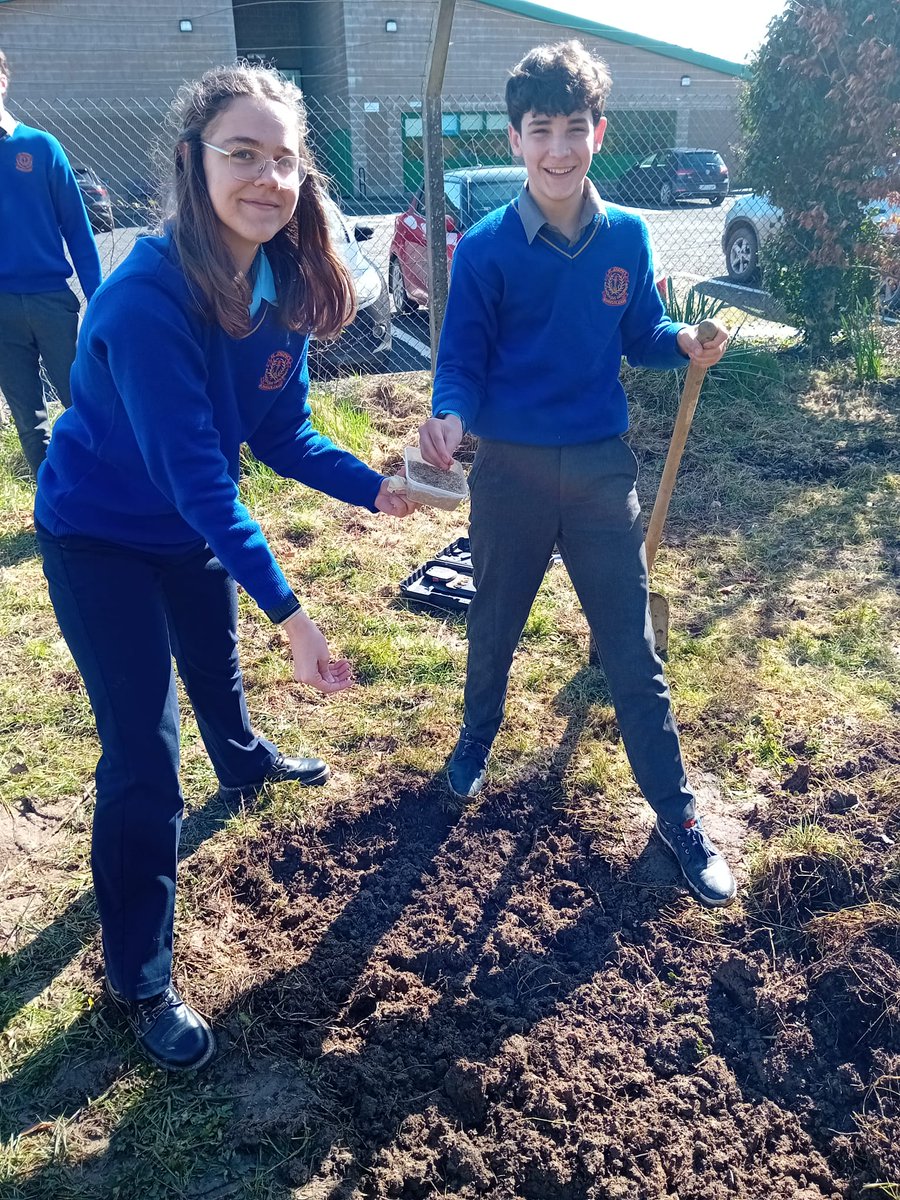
(488, 194)
(336, 227)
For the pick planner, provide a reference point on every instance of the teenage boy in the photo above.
(547, 295)
(40, 205)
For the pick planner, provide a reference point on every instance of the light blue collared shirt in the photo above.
(264, 284)
(533, 220)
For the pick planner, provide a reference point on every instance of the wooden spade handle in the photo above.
(706, 332)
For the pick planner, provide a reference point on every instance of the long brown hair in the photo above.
(315, 291)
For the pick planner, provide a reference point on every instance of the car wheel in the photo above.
(741, 254)
(715, 201)
(402, 302)
(889, 295)
(666, 195)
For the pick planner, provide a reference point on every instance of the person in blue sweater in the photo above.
(547, 295)
(196, 344)
(40, 207)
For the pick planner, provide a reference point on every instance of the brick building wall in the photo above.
(486, 42)
(100, 75)
(79, 49)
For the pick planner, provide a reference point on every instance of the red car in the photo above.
(470, 193)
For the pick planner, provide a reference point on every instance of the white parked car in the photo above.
(367, 341)
(753, 219)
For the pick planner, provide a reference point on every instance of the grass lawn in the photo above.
(513, 998)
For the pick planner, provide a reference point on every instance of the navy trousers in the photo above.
(36, 329)
(123, 614)
(582, 499)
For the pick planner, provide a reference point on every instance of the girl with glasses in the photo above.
(196, 344)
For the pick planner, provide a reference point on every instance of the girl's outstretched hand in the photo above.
(313, 664)
(394, 504)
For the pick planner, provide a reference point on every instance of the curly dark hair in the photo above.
(557, 80)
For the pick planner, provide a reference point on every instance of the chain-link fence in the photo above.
(678, 165)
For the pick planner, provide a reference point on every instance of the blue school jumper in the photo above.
(149, 454)
(534, 334)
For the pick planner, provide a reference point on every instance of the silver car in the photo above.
(753, 219)
(367, 341)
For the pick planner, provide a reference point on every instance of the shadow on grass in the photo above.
(17, 547)
(789, 470)
(27, 972)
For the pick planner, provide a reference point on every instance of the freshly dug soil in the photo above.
(448, 481)
(500, 1003)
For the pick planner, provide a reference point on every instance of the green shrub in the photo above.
(821, 118)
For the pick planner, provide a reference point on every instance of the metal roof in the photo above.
(555, 16)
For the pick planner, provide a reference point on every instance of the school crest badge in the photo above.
(276, 372)
(24, 162)
(615, 287)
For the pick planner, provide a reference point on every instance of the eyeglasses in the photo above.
(248, 164)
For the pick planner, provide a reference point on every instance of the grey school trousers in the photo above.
(34, 328)
(581, 499)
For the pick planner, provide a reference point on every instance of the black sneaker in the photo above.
(706, 872)
(308, 772)
(467, 767)
(170, 1032)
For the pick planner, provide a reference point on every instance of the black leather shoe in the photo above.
(170, 1032)
(705, 871)
(467, 766)
(308, 772)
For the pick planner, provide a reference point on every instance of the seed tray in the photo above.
(423, 493)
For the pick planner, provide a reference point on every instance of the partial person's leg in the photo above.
(54, 318)
(109, 606)
(602, 544)
(20, 379)
(513, 528)
(202, 608)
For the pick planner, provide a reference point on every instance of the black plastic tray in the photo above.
(419, 590)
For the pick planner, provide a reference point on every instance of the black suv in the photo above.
(672, 175)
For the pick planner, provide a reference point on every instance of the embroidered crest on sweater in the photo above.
(276, 371)
(24, 162)
(615, 287)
